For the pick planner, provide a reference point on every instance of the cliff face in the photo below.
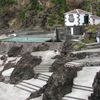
(19, 14)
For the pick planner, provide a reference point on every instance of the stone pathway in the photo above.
(46, 60)
(82, 84)
(82, 87)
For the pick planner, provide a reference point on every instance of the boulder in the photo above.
(96, 88)
(58, 63)
(15, 51)
(80, 55)
(4, 57)
(24, 69)
(8, 65)
(1, 77)
(60, 83)
(66, 48)
(41, 47)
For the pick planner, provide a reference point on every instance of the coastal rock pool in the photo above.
(25, 39)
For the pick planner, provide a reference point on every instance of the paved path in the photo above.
(46, 60)
(82, 84)
(88, 51)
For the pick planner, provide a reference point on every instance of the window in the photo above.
(71, 18)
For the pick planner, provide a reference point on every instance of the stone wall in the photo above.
(5, 46)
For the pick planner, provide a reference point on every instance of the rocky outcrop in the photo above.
(24, 69)
(4, 57)
(96, 88)
(64, 72)
(1, 77)
(58, 63)
(79, 55)
(15, 51)
(8, 66)
(41, 47)
(59, 84)
(67, 46)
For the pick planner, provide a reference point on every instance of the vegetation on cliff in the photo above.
(16, 14)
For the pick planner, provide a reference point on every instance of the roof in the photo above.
(78, 11)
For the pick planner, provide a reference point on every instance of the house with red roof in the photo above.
(76, 19)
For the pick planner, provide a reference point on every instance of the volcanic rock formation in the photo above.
(15, 51)
(96, 88)
(41, 47)
(24, 69)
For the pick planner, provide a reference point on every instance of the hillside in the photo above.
(22, 14)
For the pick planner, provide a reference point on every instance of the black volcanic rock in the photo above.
(79, 55)
(15, 51)
(24, 68)
(96, 88)
(4, 57)
(67, 47)
(9, 65)
(41, 47)
(1, 77)
(58, 63)
(60, 83)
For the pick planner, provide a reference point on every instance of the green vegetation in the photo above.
(79, 46)
(7, 2)
(91, 32)
(49, 12)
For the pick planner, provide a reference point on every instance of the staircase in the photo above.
(34, 84)
(42, 68)
(46, 60)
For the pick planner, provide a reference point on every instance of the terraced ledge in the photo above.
(88, 51)
(89, 62)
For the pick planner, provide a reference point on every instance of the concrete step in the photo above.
(29, 87)
(46, 77)
(72, 98)
(41, 68)
(43, 65)
(25, 88)
(79, 88)
(42, 78)
(32, 84)
(41, 71)
(83, 88)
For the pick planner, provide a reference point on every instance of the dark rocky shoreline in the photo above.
(60, 82)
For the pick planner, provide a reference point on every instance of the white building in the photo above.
(79, 18)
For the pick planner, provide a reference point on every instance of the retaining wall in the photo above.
(5, 46)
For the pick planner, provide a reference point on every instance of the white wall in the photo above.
(81, 22)
(67, 23)
(97, 21)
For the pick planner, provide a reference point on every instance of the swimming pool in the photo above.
(25, 39)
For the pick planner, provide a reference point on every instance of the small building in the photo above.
(75, 20)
